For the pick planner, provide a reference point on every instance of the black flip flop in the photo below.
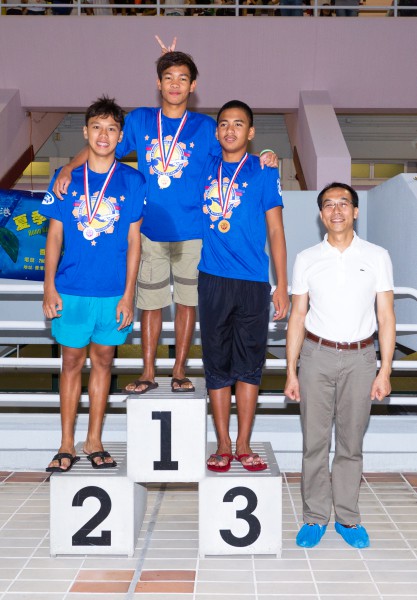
(104, 465)
(151, 385)
(59, 457)
(181, 382)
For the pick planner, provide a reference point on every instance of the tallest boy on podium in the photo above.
(172, 145)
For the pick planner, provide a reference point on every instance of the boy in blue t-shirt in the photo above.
(89, 290)
(172, 145)
(242, 203)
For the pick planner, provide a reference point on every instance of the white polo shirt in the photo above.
(342, 287)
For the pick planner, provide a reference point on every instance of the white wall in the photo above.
(392, 219)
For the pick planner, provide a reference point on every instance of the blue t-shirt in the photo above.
(96, 266)
(172, 214)
(234, 242)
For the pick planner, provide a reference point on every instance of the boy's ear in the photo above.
(158, 84)
(251, 133)
(85, 132)
(217, 133)
(120, 137)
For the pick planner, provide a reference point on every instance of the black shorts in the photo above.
(234, 317)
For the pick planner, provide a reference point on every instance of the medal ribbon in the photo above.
(225, 200)
(91, 213)
(165, 159)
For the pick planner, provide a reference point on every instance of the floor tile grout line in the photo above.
(408, 484)
(392, 521)
(398, 530)
(305, 551)
(147, 541)
(5, 480)
(6, 591)
(197, 568)
(40, 485)
(255, 581)
(75, 577)
(361, 553)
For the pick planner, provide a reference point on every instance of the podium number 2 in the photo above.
(82, 537)
(246, 515)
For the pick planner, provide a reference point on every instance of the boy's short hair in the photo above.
(237, 104)
(344, 186)
(105, 107)
(176, 59)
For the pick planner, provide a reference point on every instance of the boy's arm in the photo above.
(124, 310)
(278, 251)
(295, 338)
(65, 175)
(52, 301)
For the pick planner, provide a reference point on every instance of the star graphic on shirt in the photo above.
(93, 243)
(245, 185)
(122, 198)
(74, 193)
(192, 145)
(146, 137)
(212, 226)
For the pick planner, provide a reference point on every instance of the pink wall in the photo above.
(65, 62)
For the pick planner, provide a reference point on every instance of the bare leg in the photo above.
(98, 391)
(151, 326)
(220, 401)
(246, 400)
(184, 329)
(69, 391)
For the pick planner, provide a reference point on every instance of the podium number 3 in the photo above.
(82, 537)
(246, 515)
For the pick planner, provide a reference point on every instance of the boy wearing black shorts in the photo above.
(241, 204)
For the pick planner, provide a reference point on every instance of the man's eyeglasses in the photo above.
(342, 205)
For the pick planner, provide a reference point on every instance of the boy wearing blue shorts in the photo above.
(241, 204)
(91, 265)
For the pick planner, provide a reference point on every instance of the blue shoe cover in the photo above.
(310, 535)
(356, 536)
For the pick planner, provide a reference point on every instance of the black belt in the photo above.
(340, 345)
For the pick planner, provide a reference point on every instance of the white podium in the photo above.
(240, 512)
(96, 511)
(166, 434)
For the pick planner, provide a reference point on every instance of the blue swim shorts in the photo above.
(86, 319)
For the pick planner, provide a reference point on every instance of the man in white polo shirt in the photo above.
(332, 323)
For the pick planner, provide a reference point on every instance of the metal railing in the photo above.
(236, 8)
(194, 365)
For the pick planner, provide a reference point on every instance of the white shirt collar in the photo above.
(354, 245)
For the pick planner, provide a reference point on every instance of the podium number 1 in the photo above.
(165, 463)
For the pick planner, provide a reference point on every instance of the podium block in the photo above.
(96, 511)
(166, 434)
(240, 512)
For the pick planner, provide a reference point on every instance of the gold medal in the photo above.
(164, 181)
(224, 226)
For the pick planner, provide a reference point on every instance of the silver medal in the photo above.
(89, 233)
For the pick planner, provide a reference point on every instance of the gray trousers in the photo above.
(335, 385)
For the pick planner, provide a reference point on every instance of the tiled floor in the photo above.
(166, 564)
